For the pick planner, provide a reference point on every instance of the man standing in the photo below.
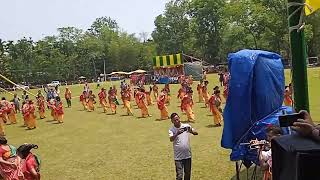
(179, 135)
(67, 96)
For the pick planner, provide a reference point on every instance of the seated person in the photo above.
(265, 158)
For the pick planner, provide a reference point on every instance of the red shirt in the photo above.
(29, 164)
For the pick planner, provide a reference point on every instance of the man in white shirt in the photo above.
(179, 135)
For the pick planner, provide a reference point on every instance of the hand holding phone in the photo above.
(289, 119)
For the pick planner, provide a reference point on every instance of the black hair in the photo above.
(25, 149)
(274, 130)
(286, 87)
(173, 115)
(3, 140)
(58, 98)
(216, 88)
(217, 91)
(3, 98)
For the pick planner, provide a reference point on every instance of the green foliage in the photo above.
(74, 52)
(212, 29)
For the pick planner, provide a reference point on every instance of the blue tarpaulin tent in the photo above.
(256, 90)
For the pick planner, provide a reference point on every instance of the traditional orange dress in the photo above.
(59, 112)
(12, 114)
(149, 98)
(155, 90)
(181, 93)
(126, 97)
(103, 102)
(24, 110)
(7, 172)
(214, 104)
(205, 95)
(200, 94)
(287, 98)
(161, 102)
(91, 102)
(186, 106)
(83, 101)
(5, 107)
(1, 122)
(52, 105)
(142, 105)
(41, 107)
(31, 117)
(112, 100)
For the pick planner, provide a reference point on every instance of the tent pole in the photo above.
(299, 59)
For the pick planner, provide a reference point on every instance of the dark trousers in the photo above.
(69, 102)
(183, 166)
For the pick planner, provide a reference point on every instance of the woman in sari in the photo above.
(31, 162)
(141, 103)
(215, 107)
(102, 99)
(30, 115)
(59, 110)
(91, 101)
(200, 94)
(161, 101)
(41, 106)
(112, 97)
(186, 106)
(205, 93)
(155, 90)
(10, 165)
(2, 112)
(12, 113)
(126, 97)
(83, 100)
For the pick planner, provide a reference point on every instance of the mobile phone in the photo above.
(186, 129)
(289, 119)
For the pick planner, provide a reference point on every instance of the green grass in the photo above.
(99, 146)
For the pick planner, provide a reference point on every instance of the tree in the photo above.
(206, 17)
(172, 28)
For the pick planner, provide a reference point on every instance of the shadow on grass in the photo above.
(203, 107)
(50, 120)
(30, 129)
(110, 114)
(209, 115)
(57, 123)
(247, 174)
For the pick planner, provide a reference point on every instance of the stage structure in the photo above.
(177, 65)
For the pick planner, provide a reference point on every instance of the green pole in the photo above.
(299, 60)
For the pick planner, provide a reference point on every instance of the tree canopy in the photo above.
(205, 29)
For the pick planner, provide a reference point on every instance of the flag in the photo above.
(311, 6)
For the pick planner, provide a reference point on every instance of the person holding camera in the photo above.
(306, 127)
(179, 135)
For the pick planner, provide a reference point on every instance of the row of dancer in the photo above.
(29, 110)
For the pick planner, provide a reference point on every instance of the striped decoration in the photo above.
(169, 60)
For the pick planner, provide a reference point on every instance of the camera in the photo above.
(186, 129)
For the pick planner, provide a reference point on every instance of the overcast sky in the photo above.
(39, 18)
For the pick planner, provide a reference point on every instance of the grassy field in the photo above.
(100, 146)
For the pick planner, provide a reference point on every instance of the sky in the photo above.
(40, 18)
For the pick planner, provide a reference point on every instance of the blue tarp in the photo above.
(256, 90)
